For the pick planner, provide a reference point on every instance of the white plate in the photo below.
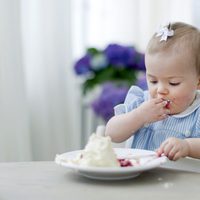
(112, 173)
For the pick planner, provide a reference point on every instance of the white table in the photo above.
(48, 181)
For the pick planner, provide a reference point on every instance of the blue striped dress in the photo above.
(150, 136)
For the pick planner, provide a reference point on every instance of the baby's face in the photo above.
(171, 77)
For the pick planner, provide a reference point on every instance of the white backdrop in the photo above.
(132, 21)
(39, 40)
(39, 96)
(15, 143)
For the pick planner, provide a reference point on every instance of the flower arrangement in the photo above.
(117, 65)
(110, 96)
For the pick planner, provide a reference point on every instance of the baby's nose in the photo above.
(162, 90)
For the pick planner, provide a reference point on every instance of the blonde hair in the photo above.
(185, 36)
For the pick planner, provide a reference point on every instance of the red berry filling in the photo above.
(125, 163)
(168, 102)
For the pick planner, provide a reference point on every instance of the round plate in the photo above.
(112, 173)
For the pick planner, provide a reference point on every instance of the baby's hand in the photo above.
(174, 148)
(154, 110)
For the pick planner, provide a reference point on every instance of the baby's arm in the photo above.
(175, 148)
(121, 127)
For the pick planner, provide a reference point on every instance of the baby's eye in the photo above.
(153, 82)
(174, 84)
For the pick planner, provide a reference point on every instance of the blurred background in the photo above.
(65, 63)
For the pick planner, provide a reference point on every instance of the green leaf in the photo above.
(125, 76)
(93, 51)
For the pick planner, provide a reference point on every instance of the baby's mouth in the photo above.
(168, 103)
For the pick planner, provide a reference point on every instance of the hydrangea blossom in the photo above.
(114, 64)
(82, 66)
(141, 81)
(110, 96)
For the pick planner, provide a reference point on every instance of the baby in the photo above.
(166, 118)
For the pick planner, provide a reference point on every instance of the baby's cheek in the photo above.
(184, 101)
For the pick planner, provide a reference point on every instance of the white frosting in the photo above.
(98, 152)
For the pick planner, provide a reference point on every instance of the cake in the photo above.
(98, 153)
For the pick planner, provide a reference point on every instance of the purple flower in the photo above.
(140, 65)
(82, 66)
(116, 63)
(142, 82)
(110, 96)
(120, 56)
(98, 62)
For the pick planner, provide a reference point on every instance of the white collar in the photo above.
(191, 108)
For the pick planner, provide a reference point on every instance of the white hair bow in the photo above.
(164, 32)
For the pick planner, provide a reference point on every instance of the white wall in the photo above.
(131, 21)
